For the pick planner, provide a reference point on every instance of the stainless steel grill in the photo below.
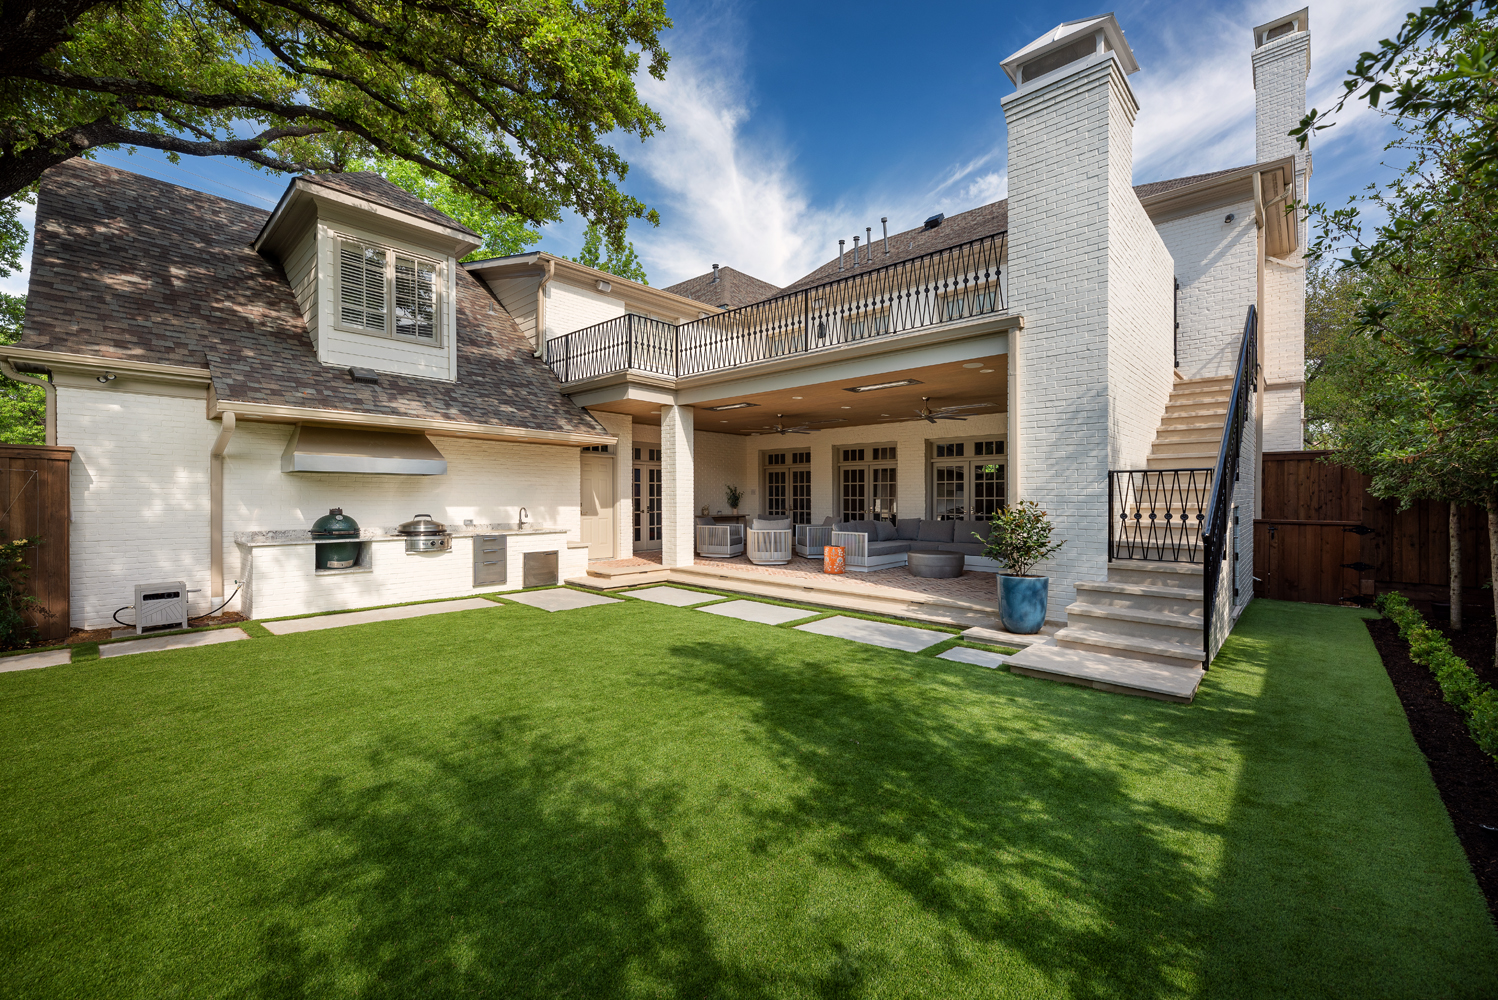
(425, 535)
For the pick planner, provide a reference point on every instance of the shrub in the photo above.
(1020, 537)
(15, 632)
(1476, 699)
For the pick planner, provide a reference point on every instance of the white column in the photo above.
(678, 494)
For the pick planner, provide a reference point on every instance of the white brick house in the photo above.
(1085, 328)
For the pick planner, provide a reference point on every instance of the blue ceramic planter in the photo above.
(1022, 601)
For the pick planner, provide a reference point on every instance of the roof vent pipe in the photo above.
(868, 241)
(855, 251)
(840, 254)
(715, 275)
(884, 221)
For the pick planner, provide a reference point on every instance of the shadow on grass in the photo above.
(1017, 829)
(494, 871)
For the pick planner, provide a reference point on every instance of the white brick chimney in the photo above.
(1093, 280)
(1281, 63)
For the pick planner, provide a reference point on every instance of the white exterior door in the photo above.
(598, 506)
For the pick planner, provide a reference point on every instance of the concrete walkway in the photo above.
(33, 661)
(911, 640)
(160, 644)
(319, 622)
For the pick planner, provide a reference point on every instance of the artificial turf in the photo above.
(645, 801)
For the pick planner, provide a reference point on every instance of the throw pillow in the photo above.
(761, 524)
(909, 528)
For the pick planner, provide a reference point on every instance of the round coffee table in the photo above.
(934, 565)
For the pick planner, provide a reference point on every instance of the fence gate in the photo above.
(34, 494)
(1318, 562)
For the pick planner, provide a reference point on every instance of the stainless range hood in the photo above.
(339, 449)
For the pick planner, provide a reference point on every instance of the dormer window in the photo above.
(387, 293)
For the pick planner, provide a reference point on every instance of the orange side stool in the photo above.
(834, 559)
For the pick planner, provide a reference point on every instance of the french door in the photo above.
(787, 482)
(867, 480)
(962, 487)
(646, 489)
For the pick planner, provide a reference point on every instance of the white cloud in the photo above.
(1196, 88)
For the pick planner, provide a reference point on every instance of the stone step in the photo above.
(1206, 380)
(1201, 395)
(1176, 433)
(1182, 630)
(1155, 464)
(1130, 646)
(1147, 573)
(1123, 675)
(1143, 597)
(1170, 449)
(1199, 420)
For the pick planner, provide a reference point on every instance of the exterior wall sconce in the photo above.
(1229, 219)
(105, 379)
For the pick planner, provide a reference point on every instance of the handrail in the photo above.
(1217, 528)
(954, 283)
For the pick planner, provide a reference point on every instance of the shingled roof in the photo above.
(130, 268)
(372, 187)
(731, 289)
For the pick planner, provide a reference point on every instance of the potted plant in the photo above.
(734, 496)
(1019, 537)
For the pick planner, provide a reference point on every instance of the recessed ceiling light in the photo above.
(883, 385)
(655, 412)
(722, 421)
(884, 414)
(795, 397)
(847, 407)
(729, 406)
(973, 364)
(986, 371)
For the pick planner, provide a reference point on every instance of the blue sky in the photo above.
(790, 125)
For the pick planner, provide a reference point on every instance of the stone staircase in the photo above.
(1141, 631)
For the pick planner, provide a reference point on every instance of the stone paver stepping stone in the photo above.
(753, 611)
(560, 599)
(981, 657)
(186, 641)
(31, 661)
(998, 637)
(674, 596)
(377, 615)
(912, 640)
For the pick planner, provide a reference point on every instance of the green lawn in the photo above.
(643, 801)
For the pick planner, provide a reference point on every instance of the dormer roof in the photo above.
(368, 193)
(1067, 33)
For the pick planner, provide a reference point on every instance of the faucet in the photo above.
(524, 516)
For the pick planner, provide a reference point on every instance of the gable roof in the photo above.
(372, 187)
(126, 267)
(731, 290)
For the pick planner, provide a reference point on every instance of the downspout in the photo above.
(50, 421)
(216, 508)
(551, 270)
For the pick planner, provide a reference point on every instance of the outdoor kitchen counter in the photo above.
(279, 578)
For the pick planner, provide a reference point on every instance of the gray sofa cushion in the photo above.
(888, 548)
(706, 521)
(980, 528)
(909, 528)
(887, 531)
(760, 524)
(973, 549)
(920, 546)
(936, 531)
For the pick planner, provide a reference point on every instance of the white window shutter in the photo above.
(361, 285)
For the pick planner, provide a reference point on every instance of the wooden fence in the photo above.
(34, 479)
(1323, 538)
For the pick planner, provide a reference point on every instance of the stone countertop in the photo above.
(302, 536)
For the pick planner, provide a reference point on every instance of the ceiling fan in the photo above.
(783, 429)
(944, 412)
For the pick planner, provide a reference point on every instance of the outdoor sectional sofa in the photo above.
(871, 545)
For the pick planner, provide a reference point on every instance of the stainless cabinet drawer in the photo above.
(490, 556)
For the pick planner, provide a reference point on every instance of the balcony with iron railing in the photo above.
(946, 286)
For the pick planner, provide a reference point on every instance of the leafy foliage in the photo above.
(23, 407)
(1460, 685)
(15, 602)
(734, 496)
(512, 101)
(503, 234)
(619, 258)
(1020, 536)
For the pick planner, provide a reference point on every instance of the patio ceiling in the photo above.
(829, 404)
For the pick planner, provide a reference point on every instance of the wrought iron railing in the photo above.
(1157, 514)
(939, 287)
(1217, 530)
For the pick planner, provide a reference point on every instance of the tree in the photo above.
(23, 407)
(1416, 378)
(619, 258)
(502, 234)
(510, 101)
(1332, 298)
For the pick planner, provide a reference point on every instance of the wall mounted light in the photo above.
(1229, 219)
(105, 379)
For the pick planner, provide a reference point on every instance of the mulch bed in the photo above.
(100, 634)
(1466, 777)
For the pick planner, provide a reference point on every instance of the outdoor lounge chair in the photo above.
(719, 541)
(770, 542)
(811, 538)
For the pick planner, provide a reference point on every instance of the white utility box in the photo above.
(158, 604)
